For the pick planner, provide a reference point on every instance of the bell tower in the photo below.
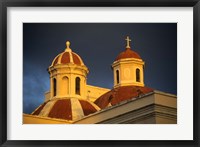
(128, 68)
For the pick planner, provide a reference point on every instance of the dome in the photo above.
(67, 57)
(120, 94)
(128, 53)
(68, 109)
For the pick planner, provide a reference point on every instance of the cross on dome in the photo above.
(128, 42)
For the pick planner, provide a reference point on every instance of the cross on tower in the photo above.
(128, 42)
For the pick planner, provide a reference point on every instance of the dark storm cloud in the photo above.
(35, 83)
(98, 45)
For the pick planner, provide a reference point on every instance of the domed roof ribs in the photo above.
(67, 108)
(77, 110)
(67, 57)
(39, 109)
(61, 110)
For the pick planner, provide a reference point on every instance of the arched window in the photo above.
(54, 87)
(77, 85)
(65, 86)
(137, 75)
(117, 76)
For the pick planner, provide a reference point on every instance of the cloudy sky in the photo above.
(98, 44)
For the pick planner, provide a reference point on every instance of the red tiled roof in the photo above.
(87, 107)
(65, 58)
(128, 53)
(120, 94)
(62, 110)
(76, 59)
(56, 60)
(37, 112)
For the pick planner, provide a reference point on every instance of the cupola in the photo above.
(68, 75)
(128, 71)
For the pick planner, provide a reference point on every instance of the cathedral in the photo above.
(70, 100)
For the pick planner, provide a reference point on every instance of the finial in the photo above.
(67, 45)
(128, 42)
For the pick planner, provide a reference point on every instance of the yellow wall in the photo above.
(94, 92)
(91, 93)
(127, 72)
(65, 76)
(47, 96)
(32, 119)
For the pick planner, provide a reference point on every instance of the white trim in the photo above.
(47, 108)
(77, 110)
